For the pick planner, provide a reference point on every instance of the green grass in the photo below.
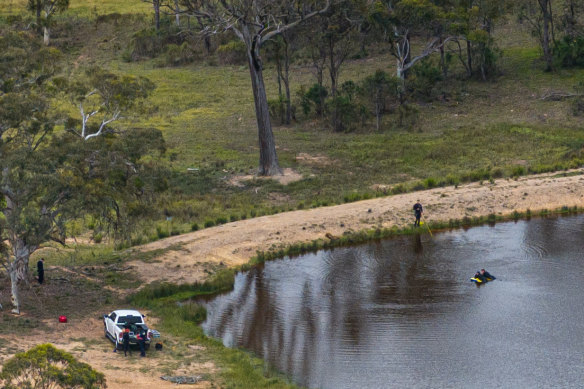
(483, 130)
(85, 8)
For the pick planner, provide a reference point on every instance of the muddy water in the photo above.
(402, 313)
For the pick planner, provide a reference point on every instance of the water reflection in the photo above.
(402, 313)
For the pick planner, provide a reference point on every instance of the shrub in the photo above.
(430, 183)
(569, 52)
(316, 97)
(518, 171)
(277, 108)
(45, 366)
(344, 113)
(161, 233)
(145, 43)
(194, 227)
(426, 76)
(232, 53)
(176, 55)
(452, 179)
(399, 188)
(209, 223)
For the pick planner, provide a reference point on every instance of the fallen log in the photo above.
(559, 96)
(181, 379)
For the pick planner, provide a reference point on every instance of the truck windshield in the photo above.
(129, 319)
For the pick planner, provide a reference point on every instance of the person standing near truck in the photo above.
(126, 339)
(141, 337)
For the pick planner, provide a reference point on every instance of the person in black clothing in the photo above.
(142, 341)
(486, 274)
(41, 270)
(483, 275)
(418, 210)
(126, 339)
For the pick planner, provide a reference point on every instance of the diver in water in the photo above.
(484, 275)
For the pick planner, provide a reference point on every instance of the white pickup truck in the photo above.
(115, 322)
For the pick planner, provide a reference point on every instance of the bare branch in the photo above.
(281, 29)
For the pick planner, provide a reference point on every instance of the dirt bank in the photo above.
(190, 257)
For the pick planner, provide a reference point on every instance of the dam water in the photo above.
(402, 313)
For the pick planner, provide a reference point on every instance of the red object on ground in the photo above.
(62, 319)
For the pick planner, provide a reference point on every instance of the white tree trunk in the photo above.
(14, 288)
(18, 270)
(46, 35)
(177, 12)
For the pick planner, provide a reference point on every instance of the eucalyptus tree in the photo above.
(156, 5)
(280, 50)
(539, 14)
(328, 41)
(378, 89)
(50, 176)
(571, 19)
(474, 22)
(44, 11)
(101, 98)
(255, 22)
(400, 21)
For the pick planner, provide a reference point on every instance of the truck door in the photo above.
(111, 324)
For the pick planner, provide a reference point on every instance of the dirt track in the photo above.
(235, 243)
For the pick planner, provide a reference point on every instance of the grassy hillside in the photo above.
(85, 8)
(473, 131)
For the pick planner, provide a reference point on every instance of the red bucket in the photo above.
(62, 319)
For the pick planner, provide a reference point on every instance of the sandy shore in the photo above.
(188, 257)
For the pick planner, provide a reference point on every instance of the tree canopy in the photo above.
(46, 367)
(50, 176)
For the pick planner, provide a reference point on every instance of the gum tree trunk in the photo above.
(156, 5)
(46, 35)
(17, 265)
(268, 158)
(286, 79)
(547, 20)
(177, 12)
(18, 270)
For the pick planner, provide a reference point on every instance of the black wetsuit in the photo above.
(418, 209)
(126, 338)
(41, 271)
(142, 342)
